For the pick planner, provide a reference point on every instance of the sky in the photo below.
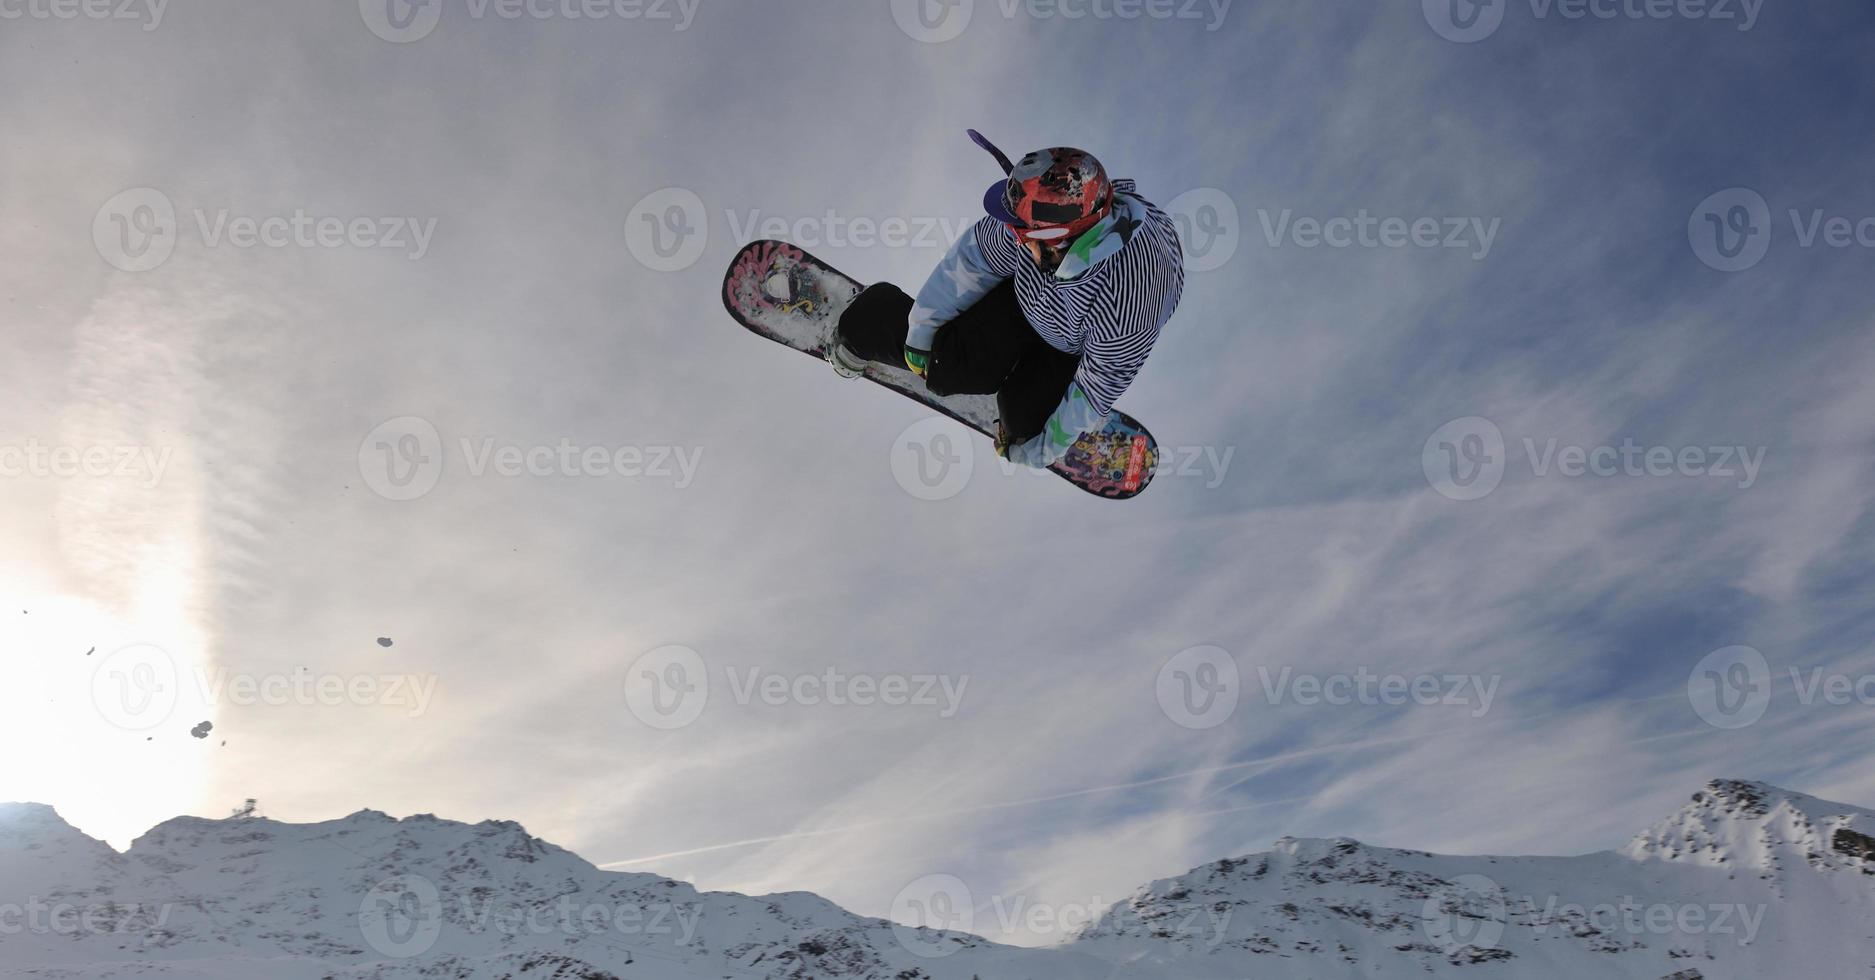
(369, 396)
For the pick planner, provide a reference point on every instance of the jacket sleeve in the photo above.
(1117, 345)
(972, 267)
(1075, 415)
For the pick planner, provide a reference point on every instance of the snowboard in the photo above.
(779, 291)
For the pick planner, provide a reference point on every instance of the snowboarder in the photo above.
(1051, 302)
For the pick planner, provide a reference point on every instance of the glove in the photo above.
(917, 361)
(1072, 417)
(1038, 452)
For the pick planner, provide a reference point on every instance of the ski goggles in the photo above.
(997, 205)
(1046, 234)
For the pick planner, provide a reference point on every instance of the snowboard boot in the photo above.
(845, 363)
(871, 329)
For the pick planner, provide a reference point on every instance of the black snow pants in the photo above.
(988, 349)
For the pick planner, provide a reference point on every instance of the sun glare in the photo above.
(97, 705)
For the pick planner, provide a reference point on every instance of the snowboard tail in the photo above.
(781, 292)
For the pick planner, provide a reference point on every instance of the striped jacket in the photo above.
(1108, 310)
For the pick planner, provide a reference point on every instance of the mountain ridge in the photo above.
(1746, 879)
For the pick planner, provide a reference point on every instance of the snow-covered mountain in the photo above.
(1746, 881)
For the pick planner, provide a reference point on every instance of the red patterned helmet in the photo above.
(1055, 193)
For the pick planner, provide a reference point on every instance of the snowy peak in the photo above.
(1752, 827)
(31, 821)
(1671, 905)
(370, 897)
(38, 848)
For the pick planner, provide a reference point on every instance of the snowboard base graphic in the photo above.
(779, 291)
